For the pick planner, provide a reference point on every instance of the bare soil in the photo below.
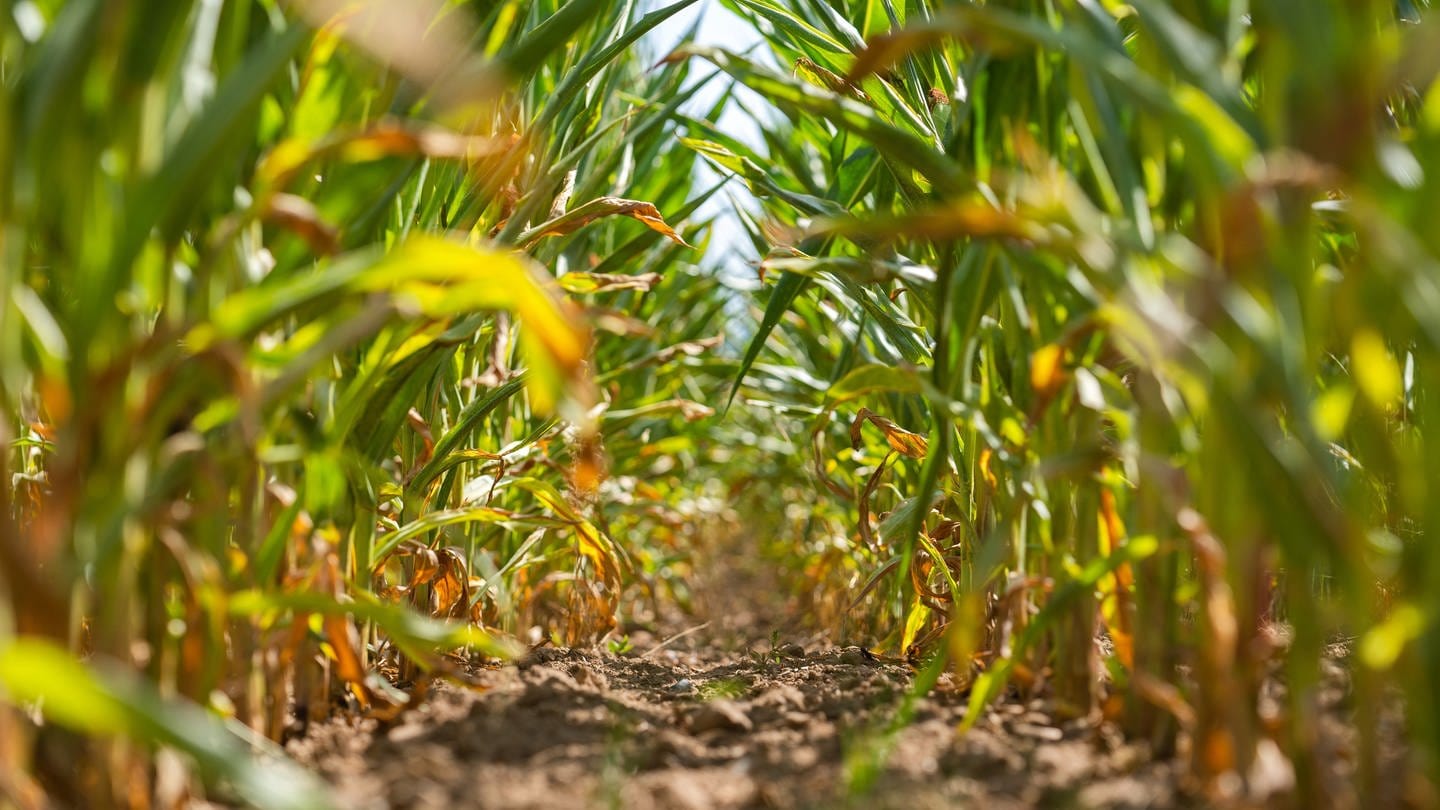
(786, 728)
(746, 711)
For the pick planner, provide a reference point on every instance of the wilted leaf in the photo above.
(425, 567)
(417, 635)
(1115, 588)
(343, 644)
(450, 592)
(981, 28)
(588, 470)
(583, 215)
(901, 440)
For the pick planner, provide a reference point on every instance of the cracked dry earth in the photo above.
(575, 729)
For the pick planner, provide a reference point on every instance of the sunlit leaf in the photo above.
(441, 278)
(1374, 370)
(872, 378)
(1046, 371)
(104, 698)
(607, 282)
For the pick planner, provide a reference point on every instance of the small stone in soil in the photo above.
(1047, 733)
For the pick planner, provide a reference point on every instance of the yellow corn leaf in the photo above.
(1382, 645)
(348, 667)
(1046, 372)
(985, 472)
(1115, 587)
(607, 282)
(442, 279)
(589, 541)
(975, 218)
(919, 614)
(1374, 369)
(595, 548)
(1330, 412)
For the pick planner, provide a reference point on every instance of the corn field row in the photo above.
(342, 343)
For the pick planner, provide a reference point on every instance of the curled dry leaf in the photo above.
(901, 440)
(340, 632)
(694, 411)
(690, 348)
(618, 323)
(450, 592)
(690, 410)
(426, 567)
(422, 429)
(583, 215)
(589, 468)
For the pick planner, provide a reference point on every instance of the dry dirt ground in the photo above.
(707, 717)
(785, 728)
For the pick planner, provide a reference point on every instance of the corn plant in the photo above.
(335, 338)
(1114, 321)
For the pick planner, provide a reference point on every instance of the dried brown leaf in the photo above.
(450, 592)
(901, 440)
(583, 215)
(690, 348)
(427, 567)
